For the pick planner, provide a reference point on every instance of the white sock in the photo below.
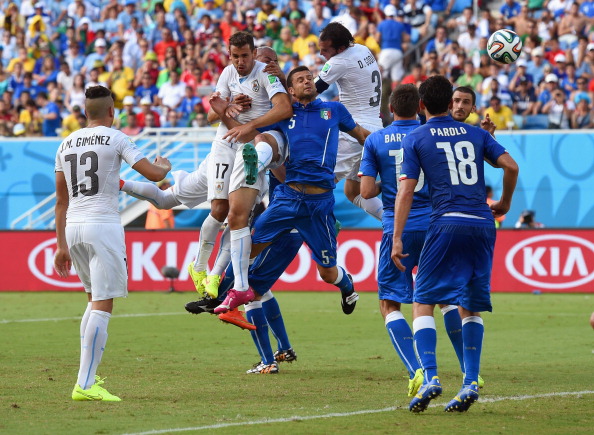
(224, 254)
(265, 154)
(162, 199)
(241, 245)
(372, 206)
(83, 323)
(208, 237)
(94, 340)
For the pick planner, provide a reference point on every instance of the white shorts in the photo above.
(261, 184)
(98, 252)
(349, 155)
(219, 169)
(191, 189)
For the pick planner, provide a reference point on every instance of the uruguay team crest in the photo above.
(325, 114)
(255, 86)
(219, 186)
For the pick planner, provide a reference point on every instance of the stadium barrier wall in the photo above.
(525, 260)
(556, 179)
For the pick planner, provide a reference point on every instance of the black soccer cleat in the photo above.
(204, 305)
(349, 300)
(288, 355)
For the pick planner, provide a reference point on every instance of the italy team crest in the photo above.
(255, 86)
(325, 114)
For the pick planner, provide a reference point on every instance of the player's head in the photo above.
(436, 95)
(463, 103)
(300, 83)
(266, 55)
(404, 101)
(334, 39)
(241, 52)
(99, 104)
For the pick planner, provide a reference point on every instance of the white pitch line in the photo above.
(347, 414)
(57, 319)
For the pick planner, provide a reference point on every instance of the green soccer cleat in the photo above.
(95, 393)
(250, 163)
(197, 278)
(211, 285)
(481, 382)
(415, 383)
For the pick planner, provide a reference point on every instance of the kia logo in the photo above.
(41, 264)
(552, 261)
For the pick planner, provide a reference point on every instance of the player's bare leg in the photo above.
(257, 157)
(337, 275)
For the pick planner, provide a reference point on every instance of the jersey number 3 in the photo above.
(376, 80)
(91, 173)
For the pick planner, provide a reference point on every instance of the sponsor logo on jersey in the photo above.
(255, 86)
(272, 79)
(326, 67)
(552, 261)
(325, 114)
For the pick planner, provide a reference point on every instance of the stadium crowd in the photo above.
(160, 59)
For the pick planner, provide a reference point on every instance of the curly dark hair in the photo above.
(436, 94)
(405, 100)
(239, 39)
(338, 35)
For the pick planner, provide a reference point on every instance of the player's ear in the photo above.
(451, 105)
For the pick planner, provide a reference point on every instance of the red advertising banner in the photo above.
(525, 260)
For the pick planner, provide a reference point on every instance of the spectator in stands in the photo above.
(546, 93)
(501, 115)
(157, 219)
(147, 89)
(461, 22)
(301, 43)
(569, 82)
(28, 86)
(495, 90)
(536, 66)
(438, 44)
(524, 99)
(172, 92)
(520, 75)
(526, 220)
(522, 24)
(267, 10)
(470, 77)
(31, 118)
(510, 9)
(127, 112)
(50, 114)
(284, 46)
(98, 55)
(132, 129)
(167, 41)
(581, 91)
(23, 58)
(416, 77)
(391, 35)
(558, 110)
(146, 112)
(188, 102)
(71, 122)
(318, 17)
(76, 95)
(582, 116)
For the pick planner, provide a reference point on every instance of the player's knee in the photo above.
(260, 138)
(237, 219)
(219, 210)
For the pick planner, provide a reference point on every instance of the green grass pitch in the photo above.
(175, 371)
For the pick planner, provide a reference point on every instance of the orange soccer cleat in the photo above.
(237, 318)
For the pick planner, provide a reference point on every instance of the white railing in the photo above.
(168, 142)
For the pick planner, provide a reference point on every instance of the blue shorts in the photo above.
(311, 215)
(273, 261)
(455, 264)
(395, 285)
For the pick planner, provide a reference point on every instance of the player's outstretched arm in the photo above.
(488, 125)
(359, 133)
(155, 171)
(62, 260)
(510, 178)
(281, 109)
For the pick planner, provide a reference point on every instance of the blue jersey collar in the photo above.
(440, 119)
(315, 103)
(406, 122)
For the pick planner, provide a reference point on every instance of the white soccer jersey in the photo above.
(91, 159)
(258, 85)
(357, 75)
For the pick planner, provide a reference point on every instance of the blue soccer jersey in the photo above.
(312, 157)
(451, 155)
(382, 155)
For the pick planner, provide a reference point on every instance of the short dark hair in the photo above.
(436, 94)
(405, 100)
(467, 90)
(293, 72)
(239, 39)
(95, 92)
(338, 35)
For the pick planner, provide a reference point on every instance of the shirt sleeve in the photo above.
(128, 150)
(331, 72)
(272, 84)
(58, 162)
(411, 167)
(368, 160)
(345, 121)
(223, 83)
(493, 149)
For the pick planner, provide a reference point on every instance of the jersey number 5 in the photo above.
(398, 157)
(91, 173)
(464, 170)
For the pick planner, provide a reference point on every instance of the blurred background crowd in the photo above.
(162, 58)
